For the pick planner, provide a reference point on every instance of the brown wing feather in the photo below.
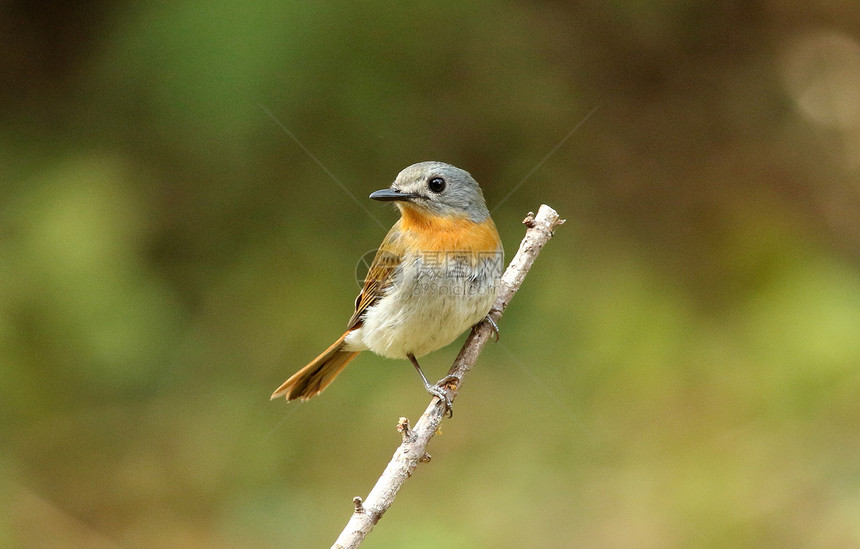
(379, 276)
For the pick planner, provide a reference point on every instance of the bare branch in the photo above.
(412, 449)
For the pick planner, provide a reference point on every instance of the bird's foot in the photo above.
(493, 326)
(438, 390)
(441, 390)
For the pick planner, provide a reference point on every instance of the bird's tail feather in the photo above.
(313, 378)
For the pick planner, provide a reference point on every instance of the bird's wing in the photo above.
(379, 276)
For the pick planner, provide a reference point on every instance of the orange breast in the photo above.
(437, 234)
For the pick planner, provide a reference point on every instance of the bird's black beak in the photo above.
(389, 195)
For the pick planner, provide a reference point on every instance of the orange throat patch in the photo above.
(445, 234)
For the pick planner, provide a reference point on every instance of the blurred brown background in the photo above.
(680, 369)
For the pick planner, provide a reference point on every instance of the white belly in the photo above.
(427, 308)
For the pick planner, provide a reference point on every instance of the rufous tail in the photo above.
(313, 378)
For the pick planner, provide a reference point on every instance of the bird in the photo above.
(435, 275)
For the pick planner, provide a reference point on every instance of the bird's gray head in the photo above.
(438, 189)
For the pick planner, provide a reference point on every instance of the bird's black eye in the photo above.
(437, 184)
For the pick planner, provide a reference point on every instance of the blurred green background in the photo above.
(680, 369)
